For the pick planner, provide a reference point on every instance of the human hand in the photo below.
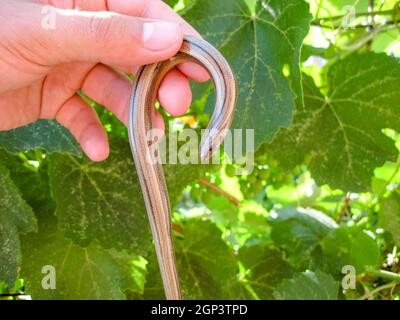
(41, 69)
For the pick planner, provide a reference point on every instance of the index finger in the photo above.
(157, 9)
(151, 9)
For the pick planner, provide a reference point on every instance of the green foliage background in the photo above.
(319, 82)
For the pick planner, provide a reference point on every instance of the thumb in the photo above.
(111, 38)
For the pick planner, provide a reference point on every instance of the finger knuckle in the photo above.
(102, 28)
(142, 7)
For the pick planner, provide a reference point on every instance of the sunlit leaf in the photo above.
(308, 286)
(45, 134)
(389, 215)
(259, 46)
(299, 231)
(342, 131)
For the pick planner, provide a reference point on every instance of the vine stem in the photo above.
(358, 26)
(345, 209)
(370, 294)
(358, 14)
(371, 18)
(221, 192)
(371, 21)
(384, 274)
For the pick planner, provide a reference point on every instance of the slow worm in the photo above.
(150, 174)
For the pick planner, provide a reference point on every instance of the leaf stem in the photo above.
(221, 192)
(371, 22)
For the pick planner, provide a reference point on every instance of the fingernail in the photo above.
(160, 35)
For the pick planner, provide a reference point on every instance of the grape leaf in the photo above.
(299, 231)
(348, 245)
(153, 289)
(32, 182)
(342, 131)
(308, 285)
(100, 201)
(364, 252)
(171, 3)
(133, 271)
(265, 268)
(259, 47)
(45, 134)
(385, 40)
(223, 211)
(205, 262)
(311, 51)
(80, 273)
(104, 200)
(389, 215)
(15, 216)
(206, 265)
(179, 176)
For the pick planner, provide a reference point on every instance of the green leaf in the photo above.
(100, 201)
(179, 176)
(265, 268)
(32, 182)
(104, 200)
(342, 131)
(364, 252)
(45, 134)
(171, 3)
(349, 245)
(308, 286)
(205, 262)
(259, 47)
(206, 265)
(133, 270)
(310, 51)
(223, 211)
(2, 288)
(15, 216)
(80, 273)
(153, 289)
(384, 40)
(389, 215)
(378, 186)
(299, 231)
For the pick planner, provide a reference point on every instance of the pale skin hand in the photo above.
(41, 69)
